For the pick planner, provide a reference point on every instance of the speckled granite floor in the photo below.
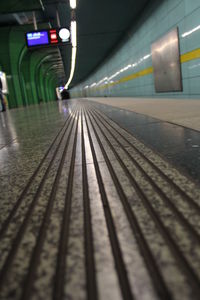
(90, 212)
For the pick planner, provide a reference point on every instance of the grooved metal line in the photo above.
(102, 217)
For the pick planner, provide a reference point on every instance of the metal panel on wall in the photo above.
(166, 63)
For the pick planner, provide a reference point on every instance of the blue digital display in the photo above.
(48, 37)
(37, 38)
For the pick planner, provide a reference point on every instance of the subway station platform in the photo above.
(97, 202)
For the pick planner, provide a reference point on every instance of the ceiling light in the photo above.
(42, 5)
(72, 4)
(191, 31)
(64, 34)
(73, 64)
(73, 34)
(74, 50)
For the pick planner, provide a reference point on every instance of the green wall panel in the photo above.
(6, 64)
(16, 45)
(25, 69)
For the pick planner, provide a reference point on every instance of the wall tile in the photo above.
(177, 14)
(192, 21)
(193, 68)
(194, 85)
(191, 5)
(155, 22)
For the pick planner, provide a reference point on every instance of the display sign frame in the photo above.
(56, 37)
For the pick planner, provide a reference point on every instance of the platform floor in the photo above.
(185, 112)
(88, 211)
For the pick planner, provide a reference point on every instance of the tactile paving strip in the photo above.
(102, 217)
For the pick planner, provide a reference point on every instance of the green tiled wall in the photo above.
(27, 83)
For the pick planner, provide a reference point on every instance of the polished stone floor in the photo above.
(89, 209)
(179, 145)
(185, 112)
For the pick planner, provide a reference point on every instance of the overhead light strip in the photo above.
(74, 51)
(72, 4)
(73, 33)
(42, 5)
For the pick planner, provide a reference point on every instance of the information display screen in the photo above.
(37, 38)
(48, 37)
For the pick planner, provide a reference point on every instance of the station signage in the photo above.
(48, 37)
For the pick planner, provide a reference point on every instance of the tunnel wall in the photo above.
(28, 80)
(131, 64)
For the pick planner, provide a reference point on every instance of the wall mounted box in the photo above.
(166, 63)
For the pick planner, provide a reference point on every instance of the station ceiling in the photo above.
(101, 25)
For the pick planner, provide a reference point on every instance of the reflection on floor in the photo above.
(180, 145)
(185, 112)
(96, 213)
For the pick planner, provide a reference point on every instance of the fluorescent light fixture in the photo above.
(73, 64)
(105, 78)
(191, 31)
(74, 50)
(42, 5)
(73, 34)
(146, 56)
(72, 4)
